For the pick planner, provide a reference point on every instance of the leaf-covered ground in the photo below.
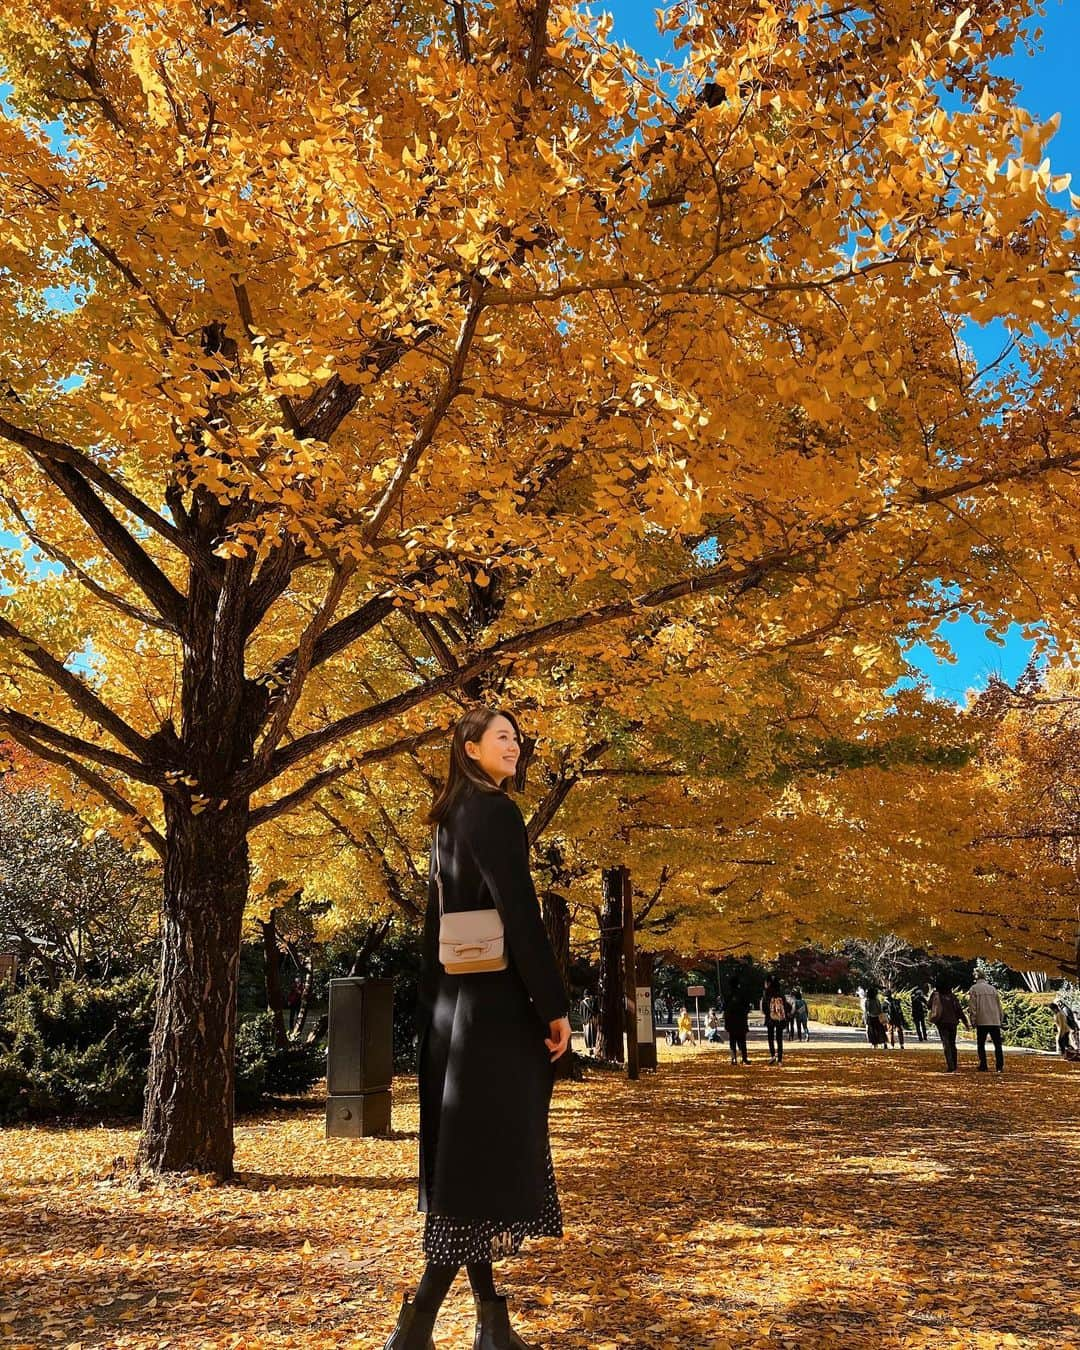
(843, 1200)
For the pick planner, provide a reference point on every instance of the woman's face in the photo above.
(497, 751)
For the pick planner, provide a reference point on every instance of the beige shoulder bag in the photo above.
(470, 940)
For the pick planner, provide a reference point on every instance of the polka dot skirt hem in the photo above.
(450, 1241)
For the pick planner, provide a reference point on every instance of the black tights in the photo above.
(436, 1281)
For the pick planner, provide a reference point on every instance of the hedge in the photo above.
(83, 1051)
(834, 1015)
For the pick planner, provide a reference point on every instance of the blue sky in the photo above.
(1047, 84)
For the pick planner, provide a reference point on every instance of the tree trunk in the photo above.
(374, 939)
(275, 999)
(306, 981)
(645, 964)
(609, 1044)
(557, 921)
(190, 1107)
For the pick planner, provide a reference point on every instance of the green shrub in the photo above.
(78, 1050)
(251, 1060)
(14, 1088)
(83, 1051)
(1027, 1023)
(835, 1014)
(262, 1068)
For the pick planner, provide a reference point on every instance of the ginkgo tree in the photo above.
(463, 331)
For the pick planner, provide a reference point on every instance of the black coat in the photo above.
(485, 1074)
(737, 1013)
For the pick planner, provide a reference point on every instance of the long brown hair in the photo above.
(464, 773)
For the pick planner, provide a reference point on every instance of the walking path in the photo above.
(847, 1200)
(823, 1036)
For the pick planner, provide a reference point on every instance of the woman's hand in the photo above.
(559, 1039)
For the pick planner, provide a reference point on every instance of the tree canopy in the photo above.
(414, 353)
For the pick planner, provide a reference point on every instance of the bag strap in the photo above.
(438, 872)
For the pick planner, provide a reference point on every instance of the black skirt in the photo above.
(458, 1241)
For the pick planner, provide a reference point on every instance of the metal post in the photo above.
(360, 1057)
(633, 1059)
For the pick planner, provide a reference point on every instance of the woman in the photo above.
(876, 1018)
(897, 1022)
(713, 1026)
(686, 1028)
(775, 1010)
(486, 1178)
(1061, 1022)
(802, 1017)
(946, 1014)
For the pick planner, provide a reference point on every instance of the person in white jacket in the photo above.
(984, 1008)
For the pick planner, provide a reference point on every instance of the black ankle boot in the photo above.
(493, 1329)
(411, 1332)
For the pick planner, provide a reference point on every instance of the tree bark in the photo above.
(645, 964)
(190, 1104)
(190, 1107)
(609, 1044)
(275, 999)
(557, 921)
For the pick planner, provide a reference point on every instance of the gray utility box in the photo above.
(359, 1057)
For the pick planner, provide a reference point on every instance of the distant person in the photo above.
(1064, 1031)
(897, 1023)
(775, 1010)
(874, 1016)
(919, 1008)
(295, 996)
(589, 1022)
(1074, 1028)
(686, 1028)
(736, 1023)
(789, 1001)
(802, 1017)
(946, 1014)
(713, 1030)
(984, 1008)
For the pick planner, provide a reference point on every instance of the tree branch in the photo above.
(101, 786)
(47, 452)
(19, 723)
(302, 665)
(80, 694)
(741, 576)
(117, 602)
(325, 777)
(432, 421)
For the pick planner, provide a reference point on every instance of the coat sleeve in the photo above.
(496, 835)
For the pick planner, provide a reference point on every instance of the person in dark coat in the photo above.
(488, 1041)
(897, 1022)
(947, 1014)
(919, 1008)
(737, 1022)
(875, 1027)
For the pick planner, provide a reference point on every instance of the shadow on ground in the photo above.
(843, 1200)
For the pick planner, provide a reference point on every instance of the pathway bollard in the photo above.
(359, 1057)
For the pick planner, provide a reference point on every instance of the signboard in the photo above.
(696, 991)
(645, 1033)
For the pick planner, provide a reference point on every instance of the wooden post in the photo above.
(633, 1065)
(612, 1021)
